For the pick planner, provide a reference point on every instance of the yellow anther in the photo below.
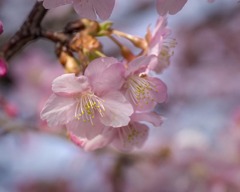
(87, 106)
(140, 89)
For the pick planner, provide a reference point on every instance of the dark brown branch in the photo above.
(32, 30)
(29, 31)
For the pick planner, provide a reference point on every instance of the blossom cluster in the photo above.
(111, 100)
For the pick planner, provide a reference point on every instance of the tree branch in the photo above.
(29, 31)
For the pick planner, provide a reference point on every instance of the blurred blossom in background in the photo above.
(195, 150)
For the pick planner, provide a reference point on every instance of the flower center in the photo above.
(88, 105)
(130, 135)
(140, 89)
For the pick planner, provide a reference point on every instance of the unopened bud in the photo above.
(69, 62)
(91, 27)
(85, 43)
(136, 41)
(3, 67)
(11, 110)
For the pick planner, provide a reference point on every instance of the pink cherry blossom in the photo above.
(3, 67)
(143, 91)
(1, 27)
(91, 102)
(160, 45)
(135, 133)
(170, 6)
(124, 138)
(85, 8)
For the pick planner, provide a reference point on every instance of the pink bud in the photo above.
(11, 110)
(1, 27)
(3, 67)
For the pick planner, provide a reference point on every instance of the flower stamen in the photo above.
(140, 89)
(87, 106)
(130, 135)
(166, 51)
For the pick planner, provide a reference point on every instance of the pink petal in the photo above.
(154, 63)
(152, 91)
(85, 9)
(49, 4)
(117, 110)
(86, 129)
(58, 110)
(170, 6)
(160, 95)
(99, 65)
(160, 32)
(157, 65)
(138, 65)
(104, 8)
(131, 136)
(161, 29)
(105, 74)
(150, 117)
(69, 84)
(144, 106)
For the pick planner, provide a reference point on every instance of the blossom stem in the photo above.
(126, 53)
(136, 41)
(99, 53)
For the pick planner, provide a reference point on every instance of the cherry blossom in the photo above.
(91, 102)
(140, 89)
(85, 8)
(160, 45)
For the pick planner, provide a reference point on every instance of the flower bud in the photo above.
(85, 43)
(69, 62)
(3, 67)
